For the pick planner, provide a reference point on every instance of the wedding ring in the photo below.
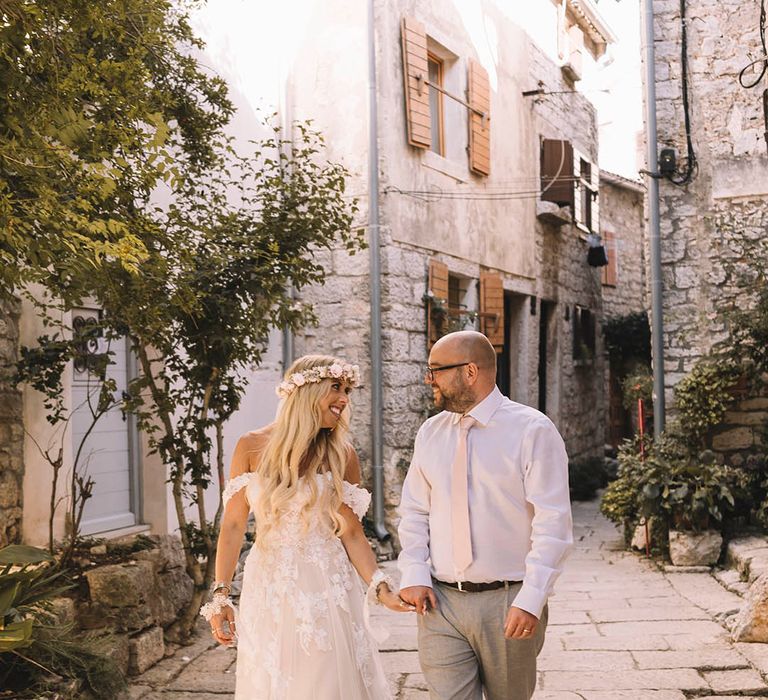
(526, 631)
(402, 603)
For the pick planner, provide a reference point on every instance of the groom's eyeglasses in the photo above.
(430, 371)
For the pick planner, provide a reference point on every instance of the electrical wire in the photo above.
(690, 162)
(438, 194)
(763, 60)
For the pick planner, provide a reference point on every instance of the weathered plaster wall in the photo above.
(713, 230)
(534, 259)
(11, 429)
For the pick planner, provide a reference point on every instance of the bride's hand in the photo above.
(393, 601)
(223, 627)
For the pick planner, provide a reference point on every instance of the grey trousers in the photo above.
(463, 652)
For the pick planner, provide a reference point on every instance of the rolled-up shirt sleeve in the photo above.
(546, 490)
(414, 561)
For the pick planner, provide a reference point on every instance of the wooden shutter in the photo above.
(415, 72)
(438, 286)
(557, 172)
(595, 198)
(578, 216)
(479, 125)
(492, 302)
(610, 271)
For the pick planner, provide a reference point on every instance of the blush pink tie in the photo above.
(462, 540)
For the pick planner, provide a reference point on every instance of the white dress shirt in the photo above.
(519, 507)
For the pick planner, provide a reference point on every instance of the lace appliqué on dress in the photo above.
(357, 498)
(301, 609)
(234, 485)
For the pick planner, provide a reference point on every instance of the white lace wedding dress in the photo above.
(300, 623)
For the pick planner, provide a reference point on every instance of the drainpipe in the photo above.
(288, 347)
(377, 418)
(657, 321)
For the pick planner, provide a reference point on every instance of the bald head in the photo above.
(468, 346)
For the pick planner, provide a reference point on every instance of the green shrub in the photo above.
(688, 493)
(36, 651)
(637, 385)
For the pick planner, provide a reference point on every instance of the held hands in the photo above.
(421, 598)
(519, 624)
(223, 626)
(393, 601)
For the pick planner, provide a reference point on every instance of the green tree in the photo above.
(119, 106)
(199, 314)
(96, 101)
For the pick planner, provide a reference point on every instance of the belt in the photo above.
(469, 587)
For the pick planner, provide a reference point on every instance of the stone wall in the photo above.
(132, 601)
(713, 230)
(622, 214)
(414, 230)
(11, 429)
(565, 278)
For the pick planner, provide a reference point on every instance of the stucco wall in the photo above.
(11, 429)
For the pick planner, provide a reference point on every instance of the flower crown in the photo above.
(349, 373)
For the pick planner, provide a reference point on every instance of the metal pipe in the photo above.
(377, 417)
(654, 228)
(285, 109)
(288, 337)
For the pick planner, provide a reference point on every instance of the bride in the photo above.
(301, 625)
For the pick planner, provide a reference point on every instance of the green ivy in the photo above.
(703, 396)
(628, 337)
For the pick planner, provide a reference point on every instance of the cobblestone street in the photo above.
(620, 629)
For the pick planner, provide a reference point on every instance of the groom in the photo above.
(485, 527)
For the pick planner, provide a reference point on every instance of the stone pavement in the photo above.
(620, 629)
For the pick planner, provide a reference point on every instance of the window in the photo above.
(447, 102)
(436, 122)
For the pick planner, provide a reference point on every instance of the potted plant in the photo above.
(690, 495)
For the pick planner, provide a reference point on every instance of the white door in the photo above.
(107, 454)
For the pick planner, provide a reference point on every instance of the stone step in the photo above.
(749, 556)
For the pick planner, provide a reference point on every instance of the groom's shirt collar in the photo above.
(483, 411)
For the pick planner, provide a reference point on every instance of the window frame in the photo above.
(437, 120)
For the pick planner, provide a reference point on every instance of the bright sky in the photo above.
(247, 47)
(620, 111)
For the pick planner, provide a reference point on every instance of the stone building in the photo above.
(714, 223)
(489, 196)
(478, 112)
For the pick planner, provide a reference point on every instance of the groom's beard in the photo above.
(456, 398)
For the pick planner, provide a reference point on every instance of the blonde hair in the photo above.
(298, 445)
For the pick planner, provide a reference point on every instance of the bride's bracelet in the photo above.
(215, 606)
(377, 579)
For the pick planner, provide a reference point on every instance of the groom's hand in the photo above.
(421, 597)
(519, 624)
